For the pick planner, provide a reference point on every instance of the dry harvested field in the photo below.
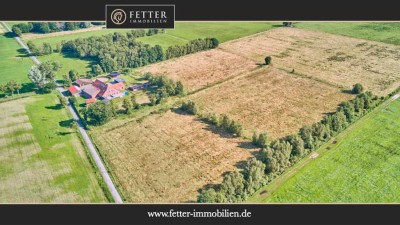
(271, 100)
(337, 59)
(167, 157)
(30, 36)
(201, 69)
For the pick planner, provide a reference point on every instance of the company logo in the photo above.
(118, 16)
(140, 16)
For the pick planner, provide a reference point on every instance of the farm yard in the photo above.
(339, 60)
(271, 100)
(202, 69)
(362, 167)
(41, 160)
(167, 157)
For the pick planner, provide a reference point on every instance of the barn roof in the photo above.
(74, 89)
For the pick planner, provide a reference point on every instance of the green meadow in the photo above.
(14, 64)
(362, 167)
(388, 32)
(41, 156)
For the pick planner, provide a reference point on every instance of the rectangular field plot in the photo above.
(168, 157)
(271, 100)
(341, 60)
(362, 167)
(41, 161)
(201, 69)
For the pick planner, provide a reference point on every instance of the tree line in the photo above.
(280, 154)
(237, 185)
(11, 87)
(118, 51)
(48, 27)
(191, 47)
(221, 121)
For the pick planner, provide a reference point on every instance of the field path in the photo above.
(85, 136)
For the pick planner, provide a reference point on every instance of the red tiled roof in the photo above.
(111, 89)
(90, 101)
(74, 89)
(118, 86)
(99, 84)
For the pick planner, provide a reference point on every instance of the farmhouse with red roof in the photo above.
(97, 89)
(74, 90)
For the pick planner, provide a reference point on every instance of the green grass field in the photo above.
(183, 32)
(41, 157)
(14, 64)
(363, 166)
(388, 32)
(82, 66)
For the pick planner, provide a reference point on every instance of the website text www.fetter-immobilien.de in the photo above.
(194, 213)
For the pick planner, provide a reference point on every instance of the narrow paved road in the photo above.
(92, 150)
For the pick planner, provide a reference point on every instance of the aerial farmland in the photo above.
(208, 112)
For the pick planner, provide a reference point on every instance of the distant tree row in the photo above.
(282, 153)
(221, 121)
(161, 87)
(47, 27)
(191, 47)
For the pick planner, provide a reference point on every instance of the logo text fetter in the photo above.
(147, 15)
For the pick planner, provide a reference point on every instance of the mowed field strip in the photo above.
(167, 157)
(362, 167)
(40, 160)
(340, 60)
(271, 100)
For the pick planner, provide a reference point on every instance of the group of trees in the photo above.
(237, 186)
(191, 47)
(130, 104)
(101, 112)
(43, 75)
(11, 87)
(161, 87)
(114, 51)
(282, 153)
(72, 76)
(45, 49)
(47, 27)
(221, 121)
